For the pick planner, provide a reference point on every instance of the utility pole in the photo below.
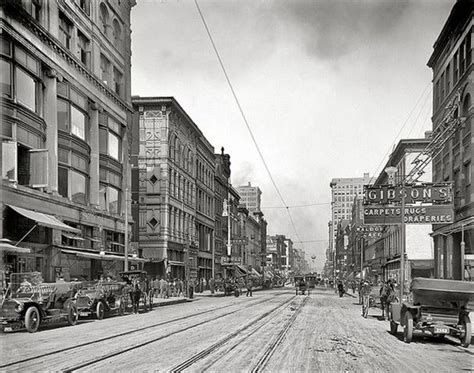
(126, 230)
(402, 249)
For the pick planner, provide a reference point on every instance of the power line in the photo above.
(297, 206)
(399, 132)
(243, 115)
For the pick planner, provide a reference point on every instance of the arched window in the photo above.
(117, 33)
(104, 18)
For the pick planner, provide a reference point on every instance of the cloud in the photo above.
(332, 29)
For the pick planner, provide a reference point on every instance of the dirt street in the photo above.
(273, 331)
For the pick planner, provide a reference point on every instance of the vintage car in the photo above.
(100, 297)
(29, 303)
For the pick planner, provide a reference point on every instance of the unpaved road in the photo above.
(274, 331)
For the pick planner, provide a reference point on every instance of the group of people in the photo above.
(166, 289)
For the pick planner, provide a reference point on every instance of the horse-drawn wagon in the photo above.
(301, 285)
(439, 308)
(139, 287)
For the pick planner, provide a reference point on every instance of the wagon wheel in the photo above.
(408, 327)
(72, 314)
(465, 336)
(32, 319)
(365, 306)
(99, 310)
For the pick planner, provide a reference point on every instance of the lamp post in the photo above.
(126, 230)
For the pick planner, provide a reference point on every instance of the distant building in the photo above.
(250, 197)
(453, 76)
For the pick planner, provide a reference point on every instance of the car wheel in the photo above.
(99, 310)
(408, 328)
(466, 331)
(32, 319)
(72, 314)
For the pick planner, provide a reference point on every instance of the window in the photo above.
(24, 165)
(109, 199)
(85, 5)
(468, 50)
(105, 69)
(104, 18)
(72, 111)
(72, 176)
(83, 48)
(33, 7)
(118, 78)
(5, 78)
(110, 142)
(25, 89)
(467, 183)
(461, 59)
(65, 27)
(78, 187)
(117, 33)
(448, 79)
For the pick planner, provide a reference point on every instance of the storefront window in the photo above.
(25, 89)
(78, 123)
(63, 181)
(103, 197)
(78, 188)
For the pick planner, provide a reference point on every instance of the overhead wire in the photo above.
(236, 99)
(399, 133)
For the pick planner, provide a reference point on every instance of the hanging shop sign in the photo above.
(225, 260)
(436, 193)
(370, 231)
(383, 215)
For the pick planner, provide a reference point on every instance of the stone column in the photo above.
(51, 119)
(94, 165)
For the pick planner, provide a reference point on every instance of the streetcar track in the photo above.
(128, 332)
(271, 348)
(210, 364)
(200, 355)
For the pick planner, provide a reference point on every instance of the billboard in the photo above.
(436, 193)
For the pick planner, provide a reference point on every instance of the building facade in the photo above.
(173, 183)
(250, 197)
(65, 112)
(451, 62)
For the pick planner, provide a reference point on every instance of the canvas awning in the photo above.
(72, 237)
(44, 220)
(422, 263)
(175, 263)
(8, 248)
(86, 254)
(255, 273)
(242, 269)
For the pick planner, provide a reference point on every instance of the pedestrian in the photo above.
(249, 287)
(162, 288)
(386, 296)
(212, 285)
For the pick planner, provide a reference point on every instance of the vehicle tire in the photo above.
(467, 331)
(32, 319)
(393, 327)
(236, 293)
(99, 311)
(408, 328)
(72, 314)
(121, 307)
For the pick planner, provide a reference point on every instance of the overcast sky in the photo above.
(326, 87)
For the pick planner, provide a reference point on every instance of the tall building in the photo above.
(451, 62)
(250, 197)
(343, 192)
(65, 111)
(173, 189)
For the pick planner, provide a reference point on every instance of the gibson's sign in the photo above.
(383, 215)
(439, 193)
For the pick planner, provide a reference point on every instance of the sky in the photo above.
(327, 88)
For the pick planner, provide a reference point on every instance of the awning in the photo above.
(44, 220)
(242, 269)
(175, 263)
(467, 223)
(255, 273)
(85, 254)
(8, 248)
(71, 237)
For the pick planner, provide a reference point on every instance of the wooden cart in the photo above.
(439, 308)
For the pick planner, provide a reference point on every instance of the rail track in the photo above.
(17, 364)
(251, 327)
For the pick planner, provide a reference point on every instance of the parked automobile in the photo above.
(99, 298)
(30, 303)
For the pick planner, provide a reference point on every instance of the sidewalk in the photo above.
(159, 302)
